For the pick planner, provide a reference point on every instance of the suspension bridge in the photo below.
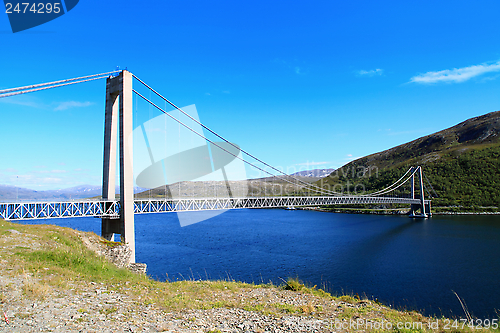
(117, 214)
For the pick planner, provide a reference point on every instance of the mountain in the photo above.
(314, 173)
(77, 192)
(462, 164)
(12, 193)
(8, 192)
(473, 133)
(251, 187)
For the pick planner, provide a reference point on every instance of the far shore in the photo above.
(391, 211)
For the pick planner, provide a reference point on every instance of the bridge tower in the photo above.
(424, 209)
(118, 120)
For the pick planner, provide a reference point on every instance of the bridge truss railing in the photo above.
(41, 210)
(111, 209)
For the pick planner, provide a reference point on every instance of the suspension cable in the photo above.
(429, 192)
(428, 182)
(212, 142)
(404, 182)
(49, 85)
(45, 88)
(232, 144)
(307, 186)
(297, 182)
(375, 193)
(391, 190)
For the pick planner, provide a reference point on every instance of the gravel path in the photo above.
(27, 304)
(95, 308)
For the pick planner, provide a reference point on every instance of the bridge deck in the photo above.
(42, 210)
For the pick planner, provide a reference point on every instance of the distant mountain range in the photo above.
(320, 173)
(8, 193)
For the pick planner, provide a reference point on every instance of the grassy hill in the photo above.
(462, 163)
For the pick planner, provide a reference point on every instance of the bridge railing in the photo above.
(44, 210)
(41, 210)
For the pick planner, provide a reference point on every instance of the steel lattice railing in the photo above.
(111, 209)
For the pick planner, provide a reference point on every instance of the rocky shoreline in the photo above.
(466, 213)
(390, 211)
(98, 308)
(46, 298)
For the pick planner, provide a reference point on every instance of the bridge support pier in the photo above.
(118, 120)
(110, 227)
(425, 208)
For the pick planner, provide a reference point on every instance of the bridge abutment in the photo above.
(118, 120)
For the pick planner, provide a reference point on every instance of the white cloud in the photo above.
(23, 101)
(51, 180)
(370, 73)
(456, 75)
(490, 78)
(23, 178)
(71, 104)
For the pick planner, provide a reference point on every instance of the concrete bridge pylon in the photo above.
(118, 126)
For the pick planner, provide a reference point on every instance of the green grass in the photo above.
(296, 285)
(97, 269)
(61, 261)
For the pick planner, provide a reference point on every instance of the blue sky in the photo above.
(300, 85)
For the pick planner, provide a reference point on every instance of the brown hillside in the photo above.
(479, 131)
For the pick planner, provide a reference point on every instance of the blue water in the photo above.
(402, 262)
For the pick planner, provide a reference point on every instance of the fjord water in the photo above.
(414, 263)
